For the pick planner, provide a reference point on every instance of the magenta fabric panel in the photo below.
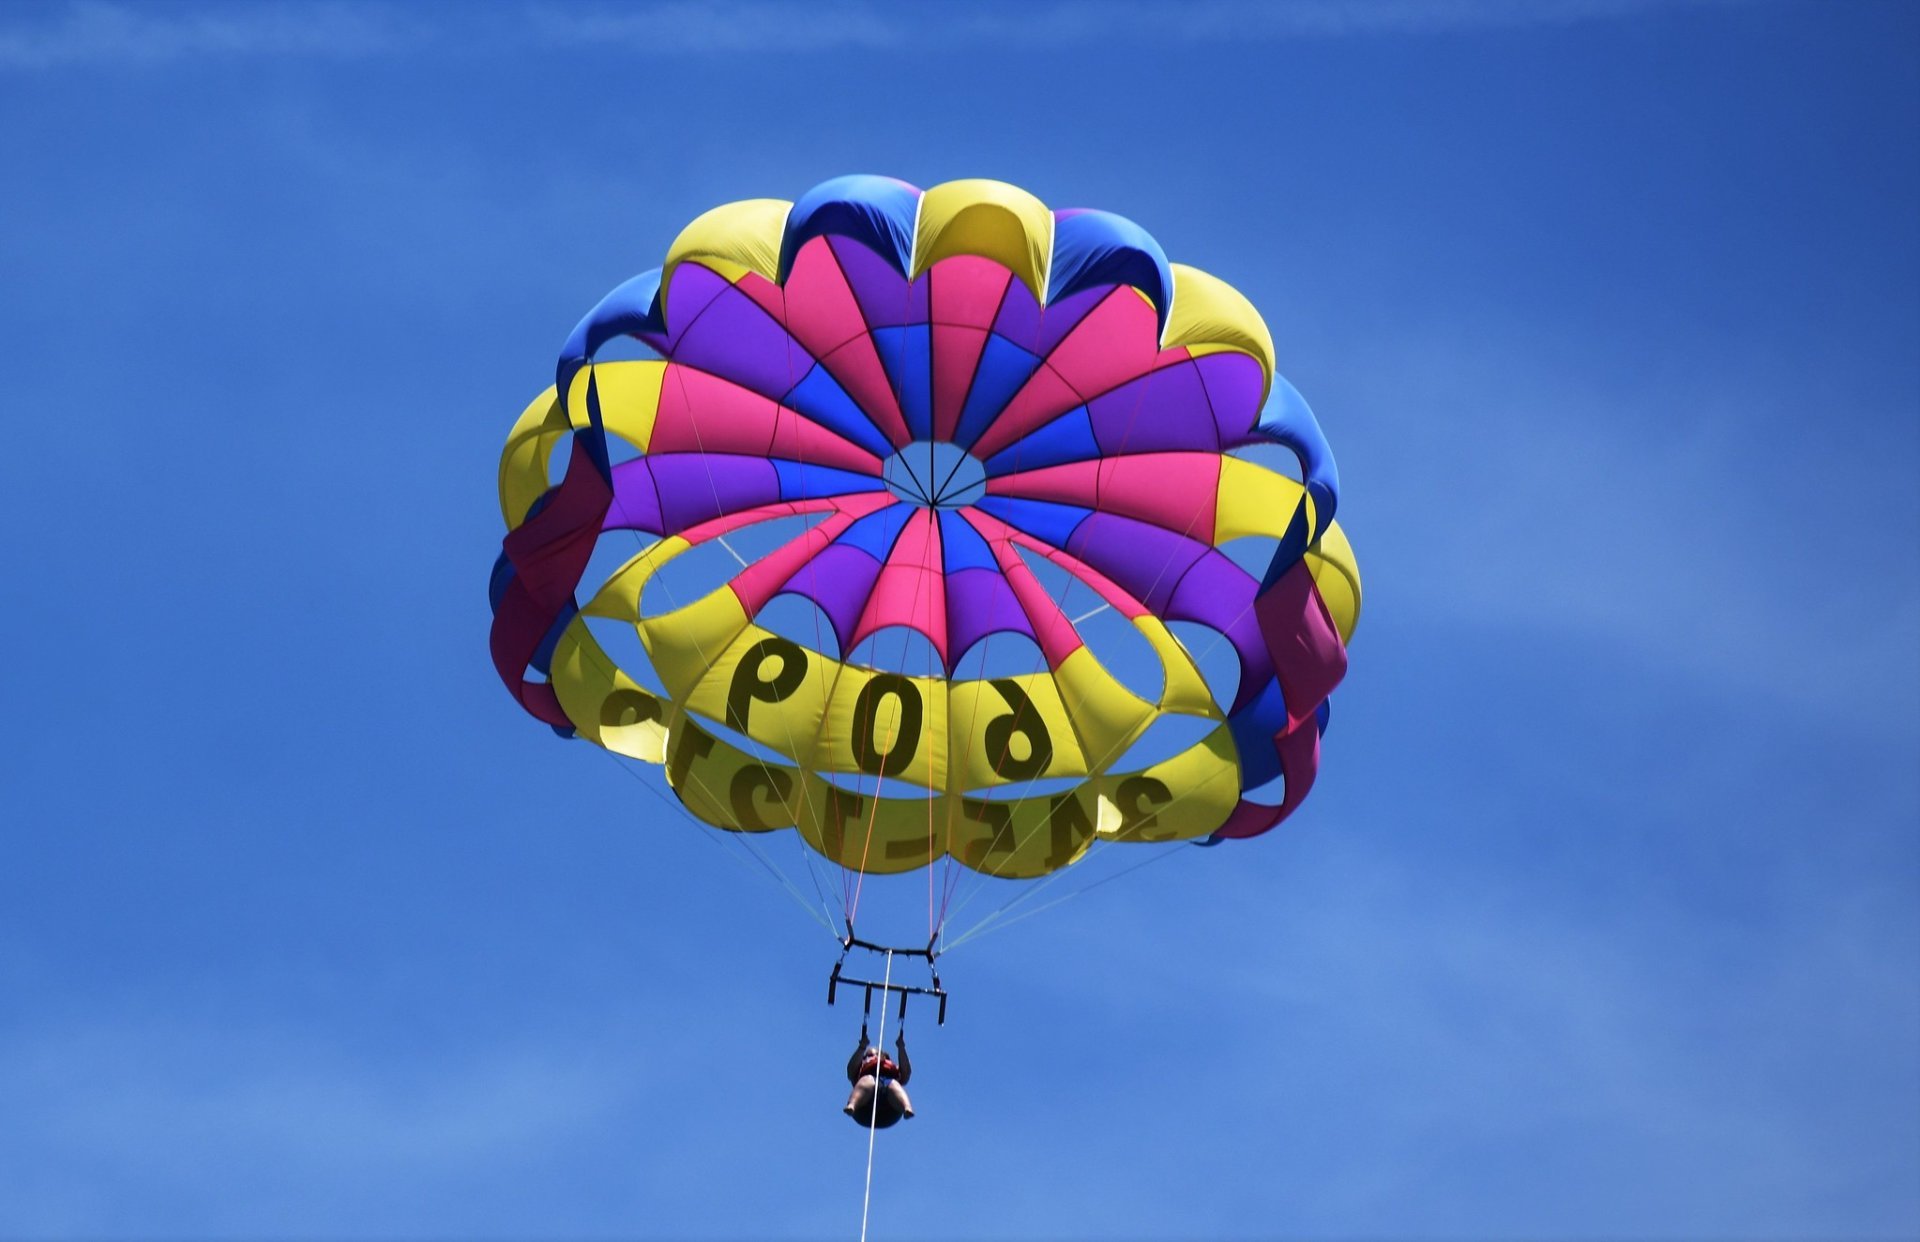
(1247, 819)
(1308, 656)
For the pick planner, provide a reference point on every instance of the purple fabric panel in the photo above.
(636, 499)
(735, 339)
(1233, 384)
(1219, 594)
(1019, 317)
(1163, 409)
(881, 292)
(839, 580)
(694, 487)
(693, 289)
(979, 603)
(1144, 560)
(1063, 316)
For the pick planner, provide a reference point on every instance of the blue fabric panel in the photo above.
(1321, 715)
(877, 212)
(1067, 438)
(499, 581)
(876, 533)
(1099, 248)
(819, 396)
(805, 481)
(543, 655)
(1253, 728)
(630, 309)
(1046, 521)
(1287, 420)
(1003, 368)
(961, 546)
(908, 355)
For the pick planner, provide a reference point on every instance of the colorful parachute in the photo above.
(962, 395)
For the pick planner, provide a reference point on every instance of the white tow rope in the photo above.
(879, 1050)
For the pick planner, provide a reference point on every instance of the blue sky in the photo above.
(1603, 921)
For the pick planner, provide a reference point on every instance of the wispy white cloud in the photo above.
(100, 32)
(110, 32)
(1656, 514)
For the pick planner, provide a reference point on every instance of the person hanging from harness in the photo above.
(879, 1081)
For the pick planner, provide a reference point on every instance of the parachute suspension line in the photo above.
(987, 922)
(866, 1199)
(709, 833)
(679, 808)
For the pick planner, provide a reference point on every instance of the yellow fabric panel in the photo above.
(629, 398)
(731, 239)
(683, 643)
(1103, 712)
(1021, 840)
(1207, 311)
(1019, 720)
(1254, 500)
(886, 724)
(989, 218)
(1337, 575)
(883, 836)
(1180, 798)
(523, 463)
(604, 704)
(619, 597)
(768, 688)
(1185, 690)
(725, 786)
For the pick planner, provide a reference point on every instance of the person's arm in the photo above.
(900, 1055)
(853, 1063)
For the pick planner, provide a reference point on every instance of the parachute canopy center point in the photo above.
(935, 474)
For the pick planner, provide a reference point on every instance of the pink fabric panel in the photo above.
(858, 368)
(1051, 630)
(798, 438)
(996, 533)
(767, 295)
(762, 580)
(967, 290)
(1076, 483)
(1118, 340)
(1174, 491)
(956, 354)
(820, 312)
(702, 413)
(1308, 656)
(911, 589)
(1042, 398)
(857, 505)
